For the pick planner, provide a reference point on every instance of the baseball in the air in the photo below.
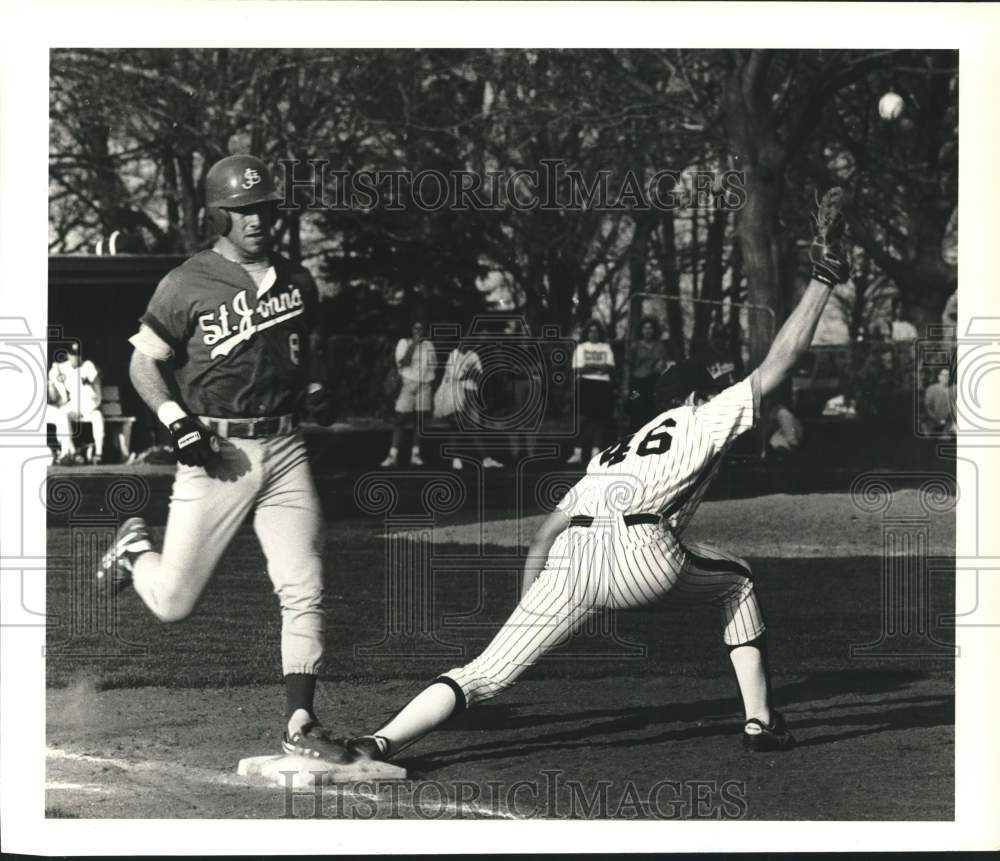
(890, 106)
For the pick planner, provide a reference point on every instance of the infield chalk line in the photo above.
(75, 787)
(209, 776)
(201, 775)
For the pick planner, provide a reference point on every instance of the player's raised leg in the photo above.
(725, 580)
(207, 506)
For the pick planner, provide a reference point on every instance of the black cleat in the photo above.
(761, 738)
(367, 747)
(131, 540)
(315, 742)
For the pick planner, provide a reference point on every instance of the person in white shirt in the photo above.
(784, 432)
(64, 431)
(902, 330)
(459, 400)
(75, 391)
(416, 361)
(593, 362)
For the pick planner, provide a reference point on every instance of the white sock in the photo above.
(751, 676)
(426, 711)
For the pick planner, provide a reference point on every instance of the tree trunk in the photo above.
(695, 249)
(562, 286)
(638, 252)
(711, 281)
(294, 237)
(756, 150)
(107, 184)
(737, 297)
(189, 203)
(763, 265)
(667, 252)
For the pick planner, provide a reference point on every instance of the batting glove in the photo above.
(193, 444)
(319, 407)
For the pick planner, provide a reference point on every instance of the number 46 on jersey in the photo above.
(657, 441)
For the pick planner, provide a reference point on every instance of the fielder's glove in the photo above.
(830, 252)
(319, 407)
(193, 444)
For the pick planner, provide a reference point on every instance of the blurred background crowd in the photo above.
(617, 289)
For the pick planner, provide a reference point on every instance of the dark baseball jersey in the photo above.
(240, 349)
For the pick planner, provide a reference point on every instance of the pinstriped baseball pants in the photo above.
(611, 566)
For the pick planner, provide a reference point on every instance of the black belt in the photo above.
(630, 520)
(251, 428)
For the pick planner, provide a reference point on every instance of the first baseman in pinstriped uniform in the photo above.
(226, 354)
(616, 539)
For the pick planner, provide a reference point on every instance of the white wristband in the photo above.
(169, 412)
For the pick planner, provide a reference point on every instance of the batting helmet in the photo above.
(235, 181)
(679, 381)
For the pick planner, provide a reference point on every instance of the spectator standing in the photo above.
(75, 390)
(949, 317)
(647, 359)
(525, 378)
(902, 330)
(784, 432)
(459, 400)
(940, 405)
(416, 361)
(593, 362)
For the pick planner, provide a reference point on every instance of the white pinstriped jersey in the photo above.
(663, 468)
(666, 466)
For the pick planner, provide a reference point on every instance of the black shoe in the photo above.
(367, 747)
(761, 738)
(315, 742)
(116, 566)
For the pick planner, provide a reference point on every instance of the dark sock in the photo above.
(299, 691)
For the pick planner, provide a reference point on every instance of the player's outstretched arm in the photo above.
(538, 552)
(793, 338)
(831, 266)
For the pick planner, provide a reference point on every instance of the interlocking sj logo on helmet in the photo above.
(250, 178)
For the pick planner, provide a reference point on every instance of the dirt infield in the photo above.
(863, 743)
(636, 719)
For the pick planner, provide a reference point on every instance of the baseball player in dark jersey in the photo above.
(227, 356)
(616, 539)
